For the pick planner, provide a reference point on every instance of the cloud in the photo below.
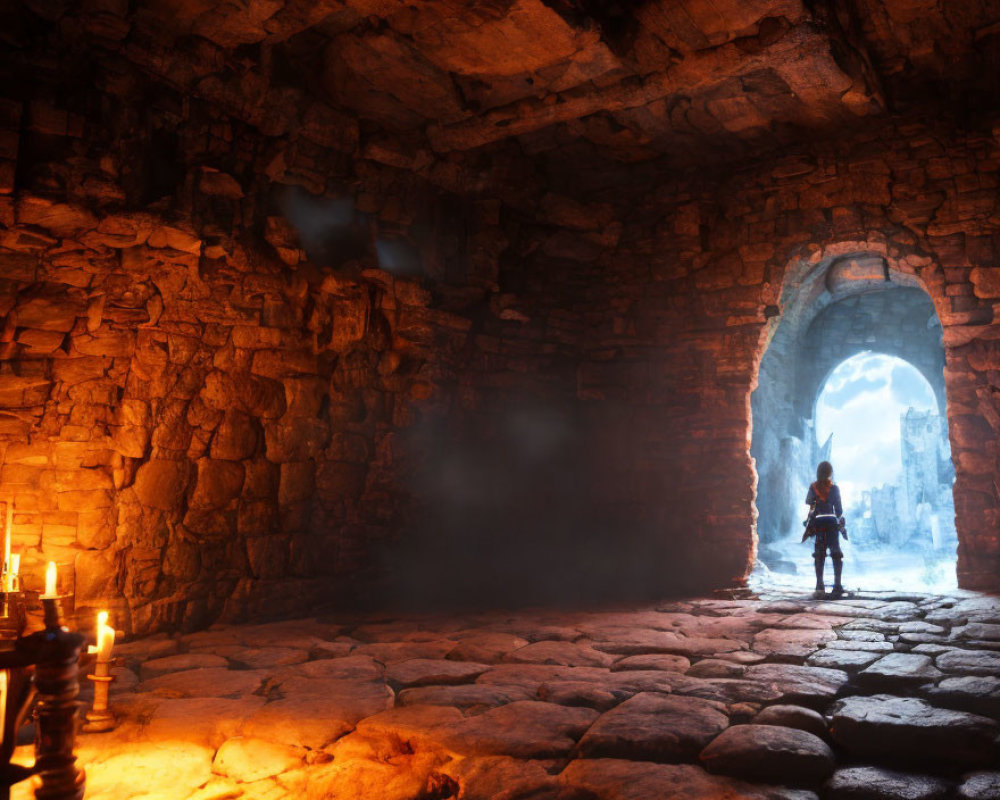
(860, 404)
(909, 387)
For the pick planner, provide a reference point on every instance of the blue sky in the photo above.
(860, 404)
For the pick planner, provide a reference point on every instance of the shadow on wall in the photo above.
(508, 518)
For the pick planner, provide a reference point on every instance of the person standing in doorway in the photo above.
(826, 523)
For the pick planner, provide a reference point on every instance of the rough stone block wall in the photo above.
(679, 310)
(199, 417)
(490, 376)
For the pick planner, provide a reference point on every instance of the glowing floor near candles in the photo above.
(629, 704)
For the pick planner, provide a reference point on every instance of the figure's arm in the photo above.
(839, 509)
(810, 496)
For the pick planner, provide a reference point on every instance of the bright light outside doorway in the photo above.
(877, 418)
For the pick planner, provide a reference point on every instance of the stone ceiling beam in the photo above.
(797, 48)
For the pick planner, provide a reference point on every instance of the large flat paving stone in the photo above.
(716, 668)
(588, 695)
(979, 694)
(633, 681)
(847, 660)
(633, 641)
(180, 663)
(980, 786)
(788, 716)
(485, 648)
(207, 721)
(314, 712)
(979, 630)
(791, 645)
(969, 662)
(654, 727)
(804, 685)
(563, 653)
(468, 697)
(523, 729)
(247, 759)
(770, 753)
(729, 690)
(899, 671)
(899, 611)
(393, 652)
(490, 777)
(142, 767)
(430, 672)
(267, 657)
(878, 646)
(875, 783)
(533, 676)
(907, 727)
(352, 667)
(612, 779)
(666, 662)
(205, 682)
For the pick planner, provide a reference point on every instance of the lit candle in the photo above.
(12, 572)
(105, 637)
(99, 718)
(6, 543)
(50, 580)
(3, 702)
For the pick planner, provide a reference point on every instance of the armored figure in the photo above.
(826, 523)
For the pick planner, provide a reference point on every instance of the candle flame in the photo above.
(105, 637)
(50, 579)
(15, 564)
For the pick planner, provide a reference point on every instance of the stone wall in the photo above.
(227, 336)
(470, 378)
(682, 306)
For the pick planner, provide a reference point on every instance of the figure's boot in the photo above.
(820, 588)
(838, 568)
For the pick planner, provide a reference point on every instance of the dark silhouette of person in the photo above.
(826, 523)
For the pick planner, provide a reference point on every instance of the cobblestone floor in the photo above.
(882, 695)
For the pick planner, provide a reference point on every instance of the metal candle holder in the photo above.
(44, 663)
(100, 718)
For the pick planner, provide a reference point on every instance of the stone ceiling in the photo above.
(639, 80)
(689, 80)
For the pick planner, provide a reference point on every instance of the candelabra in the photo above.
(41, 666)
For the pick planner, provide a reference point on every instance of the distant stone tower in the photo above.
(927, 476)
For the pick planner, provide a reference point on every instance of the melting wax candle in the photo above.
(6, 542)
(105, 637)
(50, 580)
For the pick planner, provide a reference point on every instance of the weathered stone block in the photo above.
(96, 577)
(236, 438)
(218, 483)
(161, 484)
(297, 482)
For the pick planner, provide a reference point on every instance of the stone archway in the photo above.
(832, 309)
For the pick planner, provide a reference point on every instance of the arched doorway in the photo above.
(838, 309)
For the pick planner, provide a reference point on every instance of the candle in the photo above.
(12, 570)
(3, 702)
(6, 539)
(50, 580)
(105, 637)
(99, 718)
